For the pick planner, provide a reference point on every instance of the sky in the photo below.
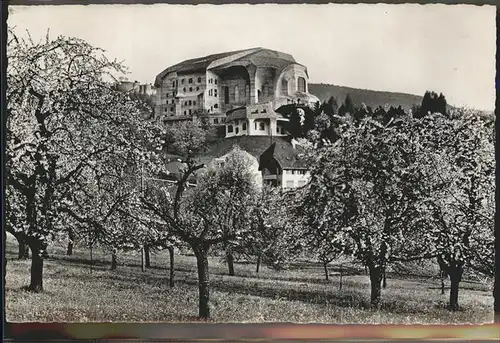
(401, 48)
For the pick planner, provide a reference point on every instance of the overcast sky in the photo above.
(403, 48)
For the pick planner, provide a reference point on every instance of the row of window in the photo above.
(214, 81)
(294, 172)
(291, 183)
(236, 129)
(190, 80)
(212, 92)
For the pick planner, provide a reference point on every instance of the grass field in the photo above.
(300, 294)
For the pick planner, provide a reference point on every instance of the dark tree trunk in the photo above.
(71, 238)
(147, 256)
(258, 264)
(366, 270)
(203, 281)
(455, 278)
(230, 263)
(36, 282)
(113, 261)
(325, 267)
(172, 270)
(375, 281)
(384, 281)
(442, 276)
(23, 253)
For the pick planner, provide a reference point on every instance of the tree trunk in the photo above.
(36, 282)
(143, 267)
(384, 281)
(230, 263)
(69, 250)
(23, 253)
(455, 278)
(325, 267)
(341, 273)
(71, 237)
(113, 261)
(172, 270)
(258, 264)
(203, 281)
(441, 275)
(375, 281)
(147, 256)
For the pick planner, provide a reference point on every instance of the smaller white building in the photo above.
(283, 165)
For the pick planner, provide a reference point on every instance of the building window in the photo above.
(190, 89)
(301, 83)
(277, 129)
(172, 101)
(199, 79)
(184, 112)
(182, 81)
(284, 87)
(210, 81)
(230, 128)
(215, 81)
(237, 130)
(190, 102)
(289, 184)
(262, 126)
(244, 126)
(194, 103)
(216, 106)
(189, 111)
(216, 120)
(185, 103)
(190, 80)
(166, 109)
(171, 109)
(184, 89)
(168, 95)
(197, 88)
(173, 84)
(210, 92)
(236, 94)
(215, 93)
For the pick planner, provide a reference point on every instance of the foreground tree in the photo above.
(211, 213)
(461, 215)
(63, 120)
(369, 185)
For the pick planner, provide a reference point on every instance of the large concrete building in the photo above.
(243, 92)
(238, 89)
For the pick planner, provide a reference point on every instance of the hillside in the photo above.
(369, 97)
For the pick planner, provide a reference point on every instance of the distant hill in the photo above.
(369, 97)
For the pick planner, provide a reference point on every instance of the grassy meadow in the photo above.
(75, 292)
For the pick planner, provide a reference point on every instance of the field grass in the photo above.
(75, 294)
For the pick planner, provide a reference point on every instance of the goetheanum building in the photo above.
(247, 85)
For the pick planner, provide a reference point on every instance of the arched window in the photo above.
(244, 126)
(301, 84)
(236, 94)
(284, 87)
(258, 95)
(262, 126)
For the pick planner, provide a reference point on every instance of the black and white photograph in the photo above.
(239, 163)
